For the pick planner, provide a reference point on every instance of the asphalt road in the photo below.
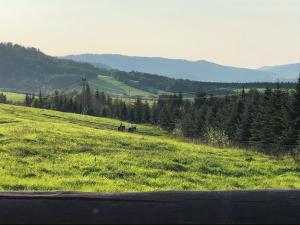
(228, 207)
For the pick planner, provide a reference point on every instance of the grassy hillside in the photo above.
(47, 150)
(14, 97)
(113, 87)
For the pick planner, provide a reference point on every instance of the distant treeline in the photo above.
(153, 83)
(268, 121)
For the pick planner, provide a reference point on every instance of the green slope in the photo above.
(113, 87)
(46, 150)
(14, 97)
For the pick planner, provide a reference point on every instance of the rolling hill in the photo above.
(45, 150)
(28, 69)
(176, 68)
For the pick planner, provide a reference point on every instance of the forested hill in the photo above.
(155, 83)
(28, 69)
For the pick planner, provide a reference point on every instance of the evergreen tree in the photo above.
(147, 113)
(27, 100)
(243, 132)
(188, 126)
(132, 114)
(295, 114)
(257, 122)
(235, 117)
(166, 119)
(138, 110)
(155, 113)
(41, 102)
(200, 121)
(124, 112)
(3, 98)
(278, 106)
(200, 99)
(267, 132)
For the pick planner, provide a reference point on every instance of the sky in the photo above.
(243, 33)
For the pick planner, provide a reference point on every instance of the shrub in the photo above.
(216, 137)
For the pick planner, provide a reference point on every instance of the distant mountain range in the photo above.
(288, 72)
(183, 69)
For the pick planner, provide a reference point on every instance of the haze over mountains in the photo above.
(183, 69)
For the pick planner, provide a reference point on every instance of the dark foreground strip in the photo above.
(228, 207)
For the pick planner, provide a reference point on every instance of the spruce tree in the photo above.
(257, 121)
(267, 133)
(154, 113)
(124, 113)
(138, 110)
(27, 100)
(278, 106)
(243, 131)
(147, 113)
(295, 114)
(200, 99)
(200, 121)
(41, 102)
(188, 126)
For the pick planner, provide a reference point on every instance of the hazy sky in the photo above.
(247, 33)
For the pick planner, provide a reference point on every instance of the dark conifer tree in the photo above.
(267, 132)
(243, 131)
(257, 121)
(295, 114)
(188, 126)
(41, 102)
(124, 112)
(27, 100)
(147, 113)
(154, 113)
(3, 98)
(138, 110)
(200, 99)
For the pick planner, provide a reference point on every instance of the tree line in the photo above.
(152, 83)
(267, 120)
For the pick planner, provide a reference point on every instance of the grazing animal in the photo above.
(121, 128)
(132, 128)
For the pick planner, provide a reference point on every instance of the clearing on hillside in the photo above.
(113, 87)
(43, 150)
(14, 97)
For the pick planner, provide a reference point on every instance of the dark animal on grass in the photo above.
(132, 128)
(121, 128)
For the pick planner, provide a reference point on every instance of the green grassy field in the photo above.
(14, 97)
(113, 87)
(45, 150)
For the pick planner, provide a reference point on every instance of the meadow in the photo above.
(14, 97)
(42, 150)
(113, 87)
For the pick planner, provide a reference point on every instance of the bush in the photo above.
(177, 132)
(216, 137)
